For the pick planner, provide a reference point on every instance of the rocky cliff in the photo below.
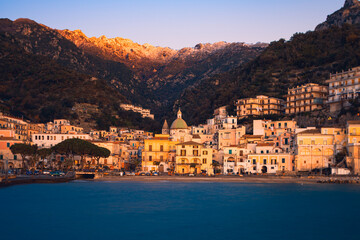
(349, 14)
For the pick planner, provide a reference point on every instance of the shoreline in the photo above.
(186, 179)
(234, 179)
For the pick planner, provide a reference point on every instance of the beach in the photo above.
(236, 179)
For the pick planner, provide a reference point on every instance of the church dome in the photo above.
(179, 123)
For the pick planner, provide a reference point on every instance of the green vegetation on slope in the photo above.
(42, 90)
(307, 57)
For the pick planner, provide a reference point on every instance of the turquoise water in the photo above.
(172, 210)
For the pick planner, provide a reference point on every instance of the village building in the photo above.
(314, 150)
(156, 154)
(306, 98)
(343, 87)
(192, 157)
(259, 106)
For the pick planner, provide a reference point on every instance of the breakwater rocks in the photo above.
(29, 180)
(340, 181)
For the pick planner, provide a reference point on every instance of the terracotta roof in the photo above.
(354, 122)
(265, 144)
(9, 139)
(159, 138)
(310, 131)
(196, 136)
(189, 143)
(253, 136)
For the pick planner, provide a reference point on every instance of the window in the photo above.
(267, 151)
(241, 152)
(261, 151)
(150, 158)
(150, 147)
(15, 157)
(161, 148)
(1, 157)
(283, 160)
(161, 158)
(285, 124)
(254, 161)
(312, 142)
(264, 160)
(204, 161)
(8, 145)
(48, 137)
(230, 151)
(205, 152)
(183, 153)
(195, 153)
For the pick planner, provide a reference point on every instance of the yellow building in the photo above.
(353, 146)
(261, 105)
(340, 137)
(246, 139)
(271, 162)
(314, 150)
(64, 129)
(155, 156)
(192, 157)
(305, 98)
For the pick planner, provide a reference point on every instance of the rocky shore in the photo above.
(33, 179)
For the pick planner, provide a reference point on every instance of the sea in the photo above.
(175, 210)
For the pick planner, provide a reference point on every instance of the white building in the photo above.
(47, 140)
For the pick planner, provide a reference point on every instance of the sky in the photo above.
(174, 23)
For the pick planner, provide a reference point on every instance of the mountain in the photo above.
(150, 76)
(166, 72)
(41, 40)
(349, 14)
(306, 57)
(44, 76)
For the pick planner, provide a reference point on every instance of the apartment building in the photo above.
(305, 98)
(343, 87)
(47, 140)
(193, 157)
(261, 105)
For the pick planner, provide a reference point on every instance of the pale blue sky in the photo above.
(175, 23)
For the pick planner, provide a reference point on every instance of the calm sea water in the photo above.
(172, 210)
